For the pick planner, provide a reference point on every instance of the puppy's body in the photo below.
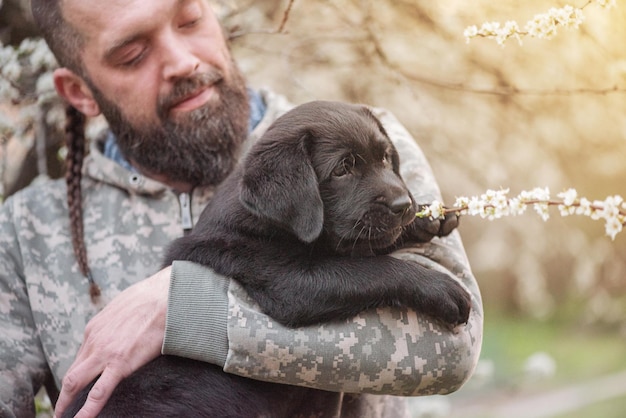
(298, 224)
(172, 386)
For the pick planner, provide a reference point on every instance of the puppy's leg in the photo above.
(341, 287)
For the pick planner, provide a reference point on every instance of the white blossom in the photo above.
(436, 209)
(45, 84)
(584, 207)
(26, 81)
(606, 3)
(542, 25)
(613, 226)
(545, 25)
(56, 116)
(569, 197)
(6, 54)
(476, 207)
(540, 365)
(7, 92)
(516, 206)
(41, 58)
(470, 32)
(496, 204)
(11, 70)
(461, 201)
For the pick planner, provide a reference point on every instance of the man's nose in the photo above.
(179, 59)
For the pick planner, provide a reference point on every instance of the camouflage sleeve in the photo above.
(386, 351)
(22, 364)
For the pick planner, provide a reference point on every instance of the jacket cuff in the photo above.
(197, 314)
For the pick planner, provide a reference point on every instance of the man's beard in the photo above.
(199, 147)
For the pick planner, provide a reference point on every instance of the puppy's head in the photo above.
(328, 167)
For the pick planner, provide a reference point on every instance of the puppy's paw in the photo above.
(425, 229)
(446, 300)
(449, 223)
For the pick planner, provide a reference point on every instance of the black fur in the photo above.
(303, 224)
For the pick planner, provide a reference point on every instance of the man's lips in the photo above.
(194, 100)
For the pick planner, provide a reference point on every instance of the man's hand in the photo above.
(124, 336)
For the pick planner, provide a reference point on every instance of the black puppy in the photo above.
(302, 224)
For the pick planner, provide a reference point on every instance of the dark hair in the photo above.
(63, 39)
(76, 149)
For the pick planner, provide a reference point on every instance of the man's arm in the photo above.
(23, 368)
(390, 350)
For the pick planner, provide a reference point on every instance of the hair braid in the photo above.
(75, 130)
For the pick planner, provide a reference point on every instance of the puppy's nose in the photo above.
(400, 204)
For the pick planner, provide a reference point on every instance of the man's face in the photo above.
(163, 77)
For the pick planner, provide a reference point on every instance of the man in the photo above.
(162, 74)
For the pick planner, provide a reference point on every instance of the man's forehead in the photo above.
(112, 13)
(220, 8)
(107, 25)
(89, 16)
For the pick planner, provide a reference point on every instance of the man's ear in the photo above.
(73, 88)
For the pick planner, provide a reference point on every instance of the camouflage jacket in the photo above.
(130, 219)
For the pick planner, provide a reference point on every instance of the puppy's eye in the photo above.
(387, 158)
(345, 166)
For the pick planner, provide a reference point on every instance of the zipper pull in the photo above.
(185, 211)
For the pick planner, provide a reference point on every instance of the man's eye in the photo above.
(132, 59)
(190, 23)
(345, 166)
(190, 15)
(133, 62)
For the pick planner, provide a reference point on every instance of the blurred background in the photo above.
(544, 113)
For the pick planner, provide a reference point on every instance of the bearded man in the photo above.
(81, 296)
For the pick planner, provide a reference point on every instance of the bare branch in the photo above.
(285, 17)
(281, 28)
(504, 91)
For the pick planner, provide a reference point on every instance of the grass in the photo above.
(610, 409)
(580, 354)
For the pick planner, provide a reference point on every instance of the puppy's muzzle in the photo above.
(401, 205)
(396, 198)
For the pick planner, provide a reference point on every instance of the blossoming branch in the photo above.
(543, 25)
(497, 204)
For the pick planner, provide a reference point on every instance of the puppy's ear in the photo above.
(280, 184)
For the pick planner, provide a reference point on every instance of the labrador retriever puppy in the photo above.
(304, 224)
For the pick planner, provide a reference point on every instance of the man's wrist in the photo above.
(197, 314)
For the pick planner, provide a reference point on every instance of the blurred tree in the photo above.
(545, 113)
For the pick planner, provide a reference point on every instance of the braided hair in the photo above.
(66, 43)
(76, 147)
